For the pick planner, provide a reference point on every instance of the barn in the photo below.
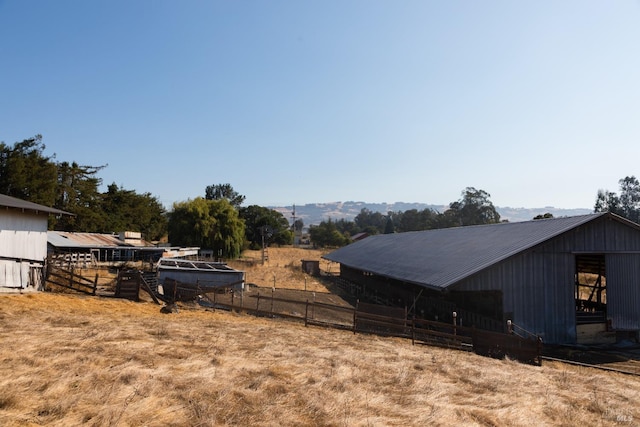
(23, 243)
(572, 280)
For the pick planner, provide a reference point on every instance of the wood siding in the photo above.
(23, 249)
(23, 236)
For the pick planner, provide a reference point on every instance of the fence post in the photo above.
(306, 313)
(355, 317)
(258, 302)
(455, 315)
(413, 330)
(95, 284)
(509, 327)
(273, 291)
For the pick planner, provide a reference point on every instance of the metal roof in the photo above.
(442, 257)
(64, 239)
(191, 265)
(13, 202)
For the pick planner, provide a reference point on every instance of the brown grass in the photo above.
(76, 360)
(283, 268)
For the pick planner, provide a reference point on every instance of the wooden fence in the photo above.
(68, 278)
(389, 321)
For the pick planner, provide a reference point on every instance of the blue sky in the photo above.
(537, 103)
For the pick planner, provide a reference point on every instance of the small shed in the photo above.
(106, 247)
(568, 280)
(311, 267)
(23, 243)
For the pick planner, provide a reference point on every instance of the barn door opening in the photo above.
(591, 299)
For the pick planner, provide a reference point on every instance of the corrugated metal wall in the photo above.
(623, 291)
(538, 285)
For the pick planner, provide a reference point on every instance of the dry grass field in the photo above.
(69, 360)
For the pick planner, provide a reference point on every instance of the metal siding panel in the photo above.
(623, 291)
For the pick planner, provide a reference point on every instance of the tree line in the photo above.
(473, 208)
(219, 221)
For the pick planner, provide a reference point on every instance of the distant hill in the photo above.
(315, 213)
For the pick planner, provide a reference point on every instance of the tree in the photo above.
(472, 209)
(547, 215)
(327, 234)
(370, 222)
(77, 193)
(210, 224)
(388, 228)
(224, 191)
(259, 220)
(626, 205)
(129, 211)
(26, 173)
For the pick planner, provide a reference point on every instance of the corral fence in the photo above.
(360, 318)
(70, 279)
(387, 321)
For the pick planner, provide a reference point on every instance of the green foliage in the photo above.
(26, 173)
(371, 222)
(210, 224)
(264, 222)
(543, 216)
(224, 191)
(626, 205)
(77, 192)
(474, 208)
(327, 235)
(130, 211)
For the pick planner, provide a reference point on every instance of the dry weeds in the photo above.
(78, 360)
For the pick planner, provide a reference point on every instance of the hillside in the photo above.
(315, 213)
(79, 360)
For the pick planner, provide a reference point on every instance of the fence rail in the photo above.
(70, 280)
(360, 319)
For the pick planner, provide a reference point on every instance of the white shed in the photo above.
(23, 243)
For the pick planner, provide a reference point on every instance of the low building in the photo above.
(568, 280)
(23, 243)
(92, 248)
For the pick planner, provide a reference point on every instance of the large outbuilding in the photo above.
(23, 243)
(569, 280)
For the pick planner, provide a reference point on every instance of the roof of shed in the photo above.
(13, 202)
(439, 258)
(64, 239)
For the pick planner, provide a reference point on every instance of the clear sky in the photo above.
(536, 103)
